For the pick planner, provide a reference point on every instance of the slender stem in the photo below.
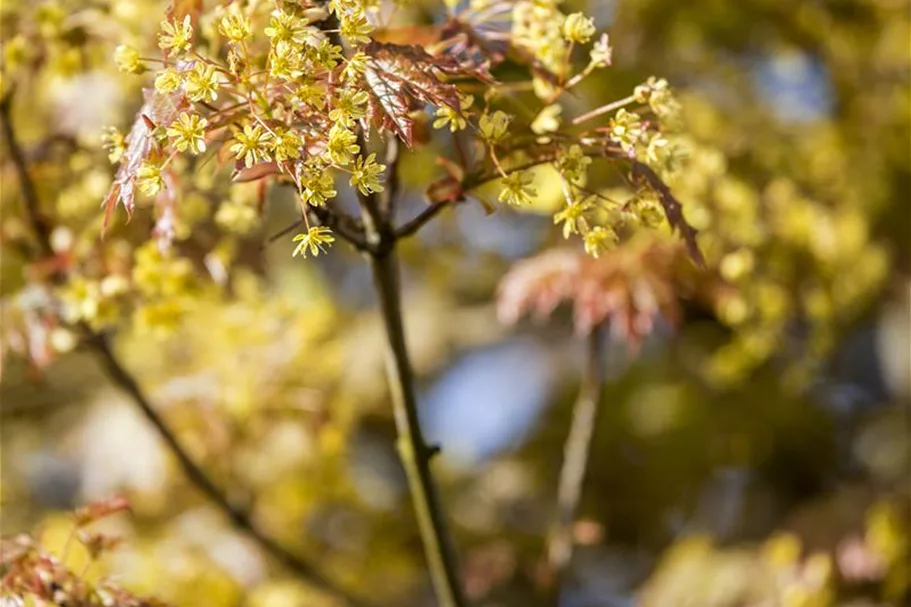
(40, 228)
(122, 378)
(576, 453)
(604, 109)
(283, 232)
(413, 449)
(413, 226)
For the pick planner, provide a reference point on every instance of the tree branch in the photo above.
(122, 378)
(40, 228)
(412, 227)
(283, 232)
(343, 225)
(238, 515)
(576, 453)
(413, 450)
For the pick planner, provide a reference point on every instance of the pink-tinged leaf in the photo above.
(158, 109)
(402, 79)
(14, 549)
(459, 38)
(100, 509)
(445, 190)
(629, 287)
(448, 189)
(490, 46)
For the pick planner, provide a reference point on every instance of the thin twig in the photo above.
(347, 227)
(604, 109)
(413, 226)
(576, 454)
(283, 232)
(40, 227)
(122, 378)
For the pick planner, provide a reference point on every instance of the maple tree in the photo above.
(245, 104)
(317, 97)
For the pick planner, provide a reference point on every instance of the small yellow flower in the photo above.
(573, 217)
(578, 28)
(355, 66)
(454, 118)
(573, 164)
(235, 26)
(114, 143)
(317, 186)
(351, 105)
(646, 210)
(626, 129)
(251, 144)
(175, 36)
(660, 98)
(599, 239)
(202, 83)
(189, 133)
(311, 93)
(286, 145)
(516, 189)
(355, 27)
(493, 126)
(148, 178)
(342, 145)
(315, 241)
(365, 176)
(127, 59)
(285, 61)
(167, 80)
(327, 54)
(287, 27)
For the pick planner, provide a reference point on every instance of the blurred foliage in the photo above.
(758, 457)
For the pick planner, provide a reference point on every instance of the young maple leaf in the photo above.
(158, 109)
(629, 287)
(401, 79)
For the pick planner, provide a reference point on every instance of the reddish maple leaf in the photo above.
(158, 109)
(100, 509)
(402, 79)
(629, 287)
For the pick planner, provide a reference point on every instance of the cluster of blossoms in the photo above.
(291, 91)
(289, 108)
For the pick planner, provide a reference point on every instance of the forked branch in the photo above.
(415, 453)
